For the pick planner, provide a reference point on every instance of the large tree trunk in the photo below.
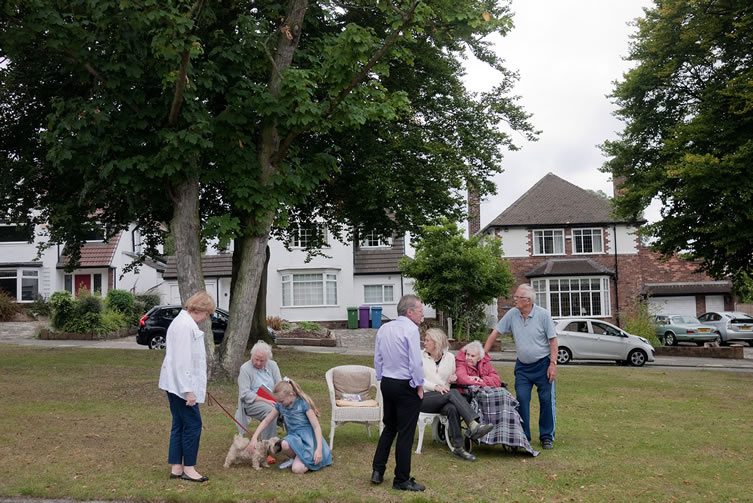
(184, 227)
(259, 323)
(252, 257)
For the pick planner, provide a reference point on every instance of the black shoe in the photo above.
(480, 430)
(377, 477)
(200, 479)
(547, 444)
(462, 453)
(175, 475)
(408, 485)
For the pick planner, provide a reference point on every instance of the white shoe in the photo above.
(286, 464)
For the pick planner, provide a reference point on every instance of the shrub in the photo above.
(112, 321)
(637, 320)
(148, 300)
(8, 306)
(88, 303)
(309, 326)
(275, 322)
(121, 301)
(84, 323)
(40, 307)
(63, 306)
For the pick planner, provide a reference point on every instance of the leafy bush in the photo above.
(637, 320)
(8, 306)
(63, 306)
(148, 300)
(121, 301)
(112, 321)
(309, 326)
(275, 322)
(88, 303)
(83, 323)
(40, 307)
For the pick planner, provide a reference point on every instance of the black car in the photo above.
(153, 325)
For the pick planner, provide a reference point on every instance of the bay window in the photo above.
(309, 289)
(574, 297)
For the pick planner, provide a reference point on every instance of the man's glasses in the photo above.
(515, 297)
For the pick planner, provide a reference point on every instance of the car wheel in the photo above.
(721, 341)
(564, 355)
(670, 339)
(718, 340)
(637, 358)
(157, 342)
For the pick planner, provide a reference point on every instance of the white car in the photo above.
(586, 339)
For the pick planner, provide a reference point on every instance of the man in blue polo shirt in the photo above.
(532, 328)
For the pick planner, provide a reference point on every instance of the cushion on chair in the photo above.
(352, 403)
(353, 383)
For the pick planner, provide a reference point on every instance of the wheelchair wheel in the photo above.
(441, 435)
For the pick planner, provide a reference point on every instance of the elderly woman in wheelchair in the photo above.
(439, 398)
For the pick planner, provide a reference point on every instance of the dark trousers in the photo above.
(452, 405)
(526, 375)
(185, 433)
(401, 408)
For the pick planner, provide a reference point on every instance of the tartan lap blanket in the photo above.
(498, 407)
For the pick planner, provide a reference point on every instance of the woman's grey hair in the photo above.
(406, 302)
(528, 291)
(262, 347)
(440, 339)
(477, 346)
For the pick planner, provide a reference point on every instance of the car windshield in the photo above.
(688, 320)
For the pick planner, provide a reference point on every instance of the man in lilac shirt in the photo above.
(397, 360)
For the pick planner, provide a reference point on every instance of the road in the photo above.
(357, 342)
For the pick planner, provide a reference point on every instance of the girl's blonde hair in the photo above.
(440, 339)
(288, 387)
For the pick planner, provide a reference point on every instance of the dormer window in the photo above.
(588, 241)
(373, 240)
(549, 242)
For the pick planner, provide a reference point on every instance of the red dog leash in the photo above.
(226, 412)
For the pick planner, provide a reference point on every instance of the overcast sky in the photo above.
(568, 54)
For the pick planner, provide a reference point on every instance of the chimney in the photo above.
(474, 211)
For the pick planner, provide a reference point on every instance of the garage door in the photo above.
(672, 305)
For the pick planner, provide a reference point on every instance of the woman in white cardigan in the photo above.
(184, 378)
(439, 374)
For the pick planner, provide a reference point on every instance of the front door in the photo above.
(82, 281)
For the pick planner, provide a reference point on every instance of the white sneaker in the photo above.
(286, 464)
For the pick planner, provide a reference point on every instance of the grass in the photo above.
(91, 424)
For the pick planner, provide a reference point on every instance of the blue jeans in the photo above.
(526, 375)
(185, 433)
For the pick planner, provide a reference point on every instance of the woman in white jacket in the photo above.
(439, 374)
(184, 378)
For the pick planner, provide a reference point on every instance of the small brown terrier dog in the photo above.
(238, 452)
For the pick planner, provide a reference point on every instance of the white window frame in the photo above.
(328, 283)
(549, 290)
(580, 233)
(69, 287)
(383, 291)
(539, 240)
(300, 236)
(21, 274)
(371, 239)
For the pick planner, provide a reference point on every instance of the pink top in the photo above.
(483, 369)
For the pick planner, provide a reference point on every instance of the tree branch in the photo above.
(182, 81)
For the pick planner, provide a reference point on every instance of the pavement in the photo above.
(356, 342)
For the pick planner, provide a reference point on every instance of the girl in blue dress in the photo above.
(304, 443)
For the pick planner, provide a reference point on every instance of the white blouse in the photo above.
(437, 374)
(184, 368)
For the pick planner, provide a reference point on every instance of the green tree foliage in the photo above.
(688, 140)
(458, 276)
(230, 119)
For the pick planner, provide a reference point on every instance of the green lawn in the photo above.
(91, 424)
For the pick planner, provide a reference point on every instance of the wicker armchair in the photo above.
(349, 381)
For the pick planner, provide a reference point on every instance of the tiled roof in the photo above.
(94, 254)
(554, 201)
(213, 266)
(685, 288)
(568, 267)
(379, 260)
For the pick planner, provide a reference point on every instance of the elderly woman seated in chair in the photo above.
(439, 373)
(260, 370)
(474, 368)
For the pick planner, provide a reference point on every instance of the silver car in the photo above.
(586, 339)
(730, 325)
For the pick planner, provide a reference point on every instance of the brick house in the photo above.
(564, 241)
